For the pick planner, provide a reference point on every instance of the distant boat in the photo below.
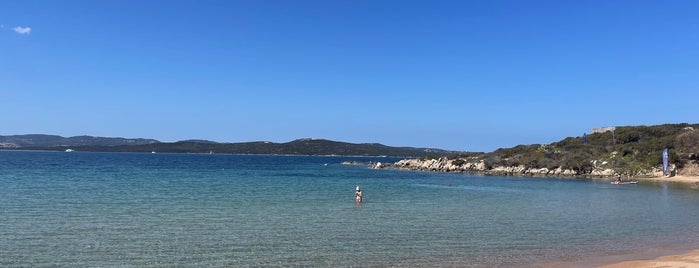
(152, 152)
(69, 150)
(211, 152)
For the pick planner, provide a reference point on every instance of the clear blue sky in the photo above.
(459, 75)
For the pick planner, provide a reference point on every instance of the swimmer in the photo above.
(358, 195)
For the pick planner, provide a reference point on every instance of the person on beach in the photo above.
(358, 195)
(618, 178)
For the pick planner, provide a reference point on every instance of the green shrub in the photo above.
(458, 162)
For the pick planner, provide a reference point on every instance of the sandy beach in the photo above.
(689, 259)
(672, 256)
(686, 179)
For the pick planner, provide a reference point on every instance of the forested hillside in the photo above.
(305, 146)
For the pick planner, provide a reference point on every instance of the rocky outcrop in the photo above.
(9, 145)
(634, 151)
(478, 166)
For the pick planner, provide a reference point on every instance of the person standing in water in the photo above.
(358, 195)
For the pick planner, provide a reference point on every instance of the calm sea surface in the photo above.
(140, 210)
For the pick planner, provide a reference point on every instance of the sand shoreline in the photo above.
(688, 259)
(679, 178)
(668, 256)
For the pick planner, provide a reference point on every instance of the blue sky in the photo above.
(459, 75)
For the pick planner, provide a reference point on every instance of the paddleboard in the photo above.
(624, 182)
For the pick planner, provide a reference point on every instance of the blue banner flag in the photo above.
(584, 138)
(665, 156)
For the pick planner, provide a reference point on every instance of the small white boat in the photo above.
(69, 150)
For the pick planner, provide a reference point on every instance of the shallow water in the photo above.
(136, 210)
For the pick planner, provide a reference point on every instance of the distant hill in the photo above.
(296, 147)
(41, 140)
(628, 150)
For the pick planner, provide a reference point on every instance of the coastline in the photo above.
(688, 259)
(672, 256)
(677, 178)
(480, 167)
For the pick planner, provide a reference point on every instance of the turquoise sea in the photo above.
(163, 210)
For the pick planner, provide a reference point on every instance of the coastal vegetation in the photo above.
(628, 151)
(42, 140)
